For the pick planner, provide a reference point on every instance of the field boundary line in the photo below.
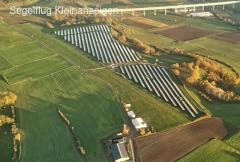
(37, 60)
(39, 78)
(46, 46)
(6, 60)
(21, 81)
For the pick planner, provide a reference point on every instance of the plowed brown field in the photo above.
(185, 33)
(232, 37)
(173, 144)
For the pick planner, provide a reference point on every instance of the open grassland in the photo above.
(45, 136)
(144, 23)
(229, 112)
(220, 50)
(148, 37)
(234, 140)
(57, 46)
(25, 53)
(35, 69)
(156, 112)
(11, 38)
(214, 150)
(4, 63)
(168, 60)
(6, 140)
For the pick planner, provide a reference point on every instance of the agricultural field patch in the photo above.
(11, 37)
(21, 54)
(173, 144)
(148, 37)
(46, 137)
(216, 49)
(6, 143)
(185, 33)
(231, 37)
(144, 23)
(214, 150)
(234, 140)
(36, 69)
(4, 63)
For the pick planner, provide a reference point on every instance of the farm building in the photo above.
(119, 152)
(131, 114)
(200, 14)
(139, 123)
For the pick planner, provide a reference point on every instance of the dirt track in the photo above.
(185, 33)
(173, 144)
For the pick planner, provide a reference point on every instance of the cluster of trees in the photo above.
(16, 137)
(71, 19)
(7, 98)
(144, 48)
(4, 120)
(212, 79)
(120, 33)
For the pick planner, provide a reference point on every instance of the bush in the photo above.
(5, 120)
(49, 25)
(7, 98)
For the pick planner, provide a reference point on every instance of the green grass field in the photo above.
(220, 50)
(25, 53)
(36, 69)
(148, 37)
(214, 150)
(155, 111)
(45, 135)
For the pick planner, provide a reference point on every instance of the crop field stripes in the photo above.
(157, 80)
(98, 42)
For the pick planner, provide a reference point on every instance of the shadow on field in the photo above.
(233, 154)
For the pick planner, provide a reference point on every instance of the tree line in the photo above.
(7, 103)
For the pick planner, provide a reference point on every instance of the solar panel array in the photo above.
(97, 41)
(158, 81)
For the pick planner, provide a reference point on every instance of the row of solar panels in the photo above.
(98, 42)
(158, 81)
